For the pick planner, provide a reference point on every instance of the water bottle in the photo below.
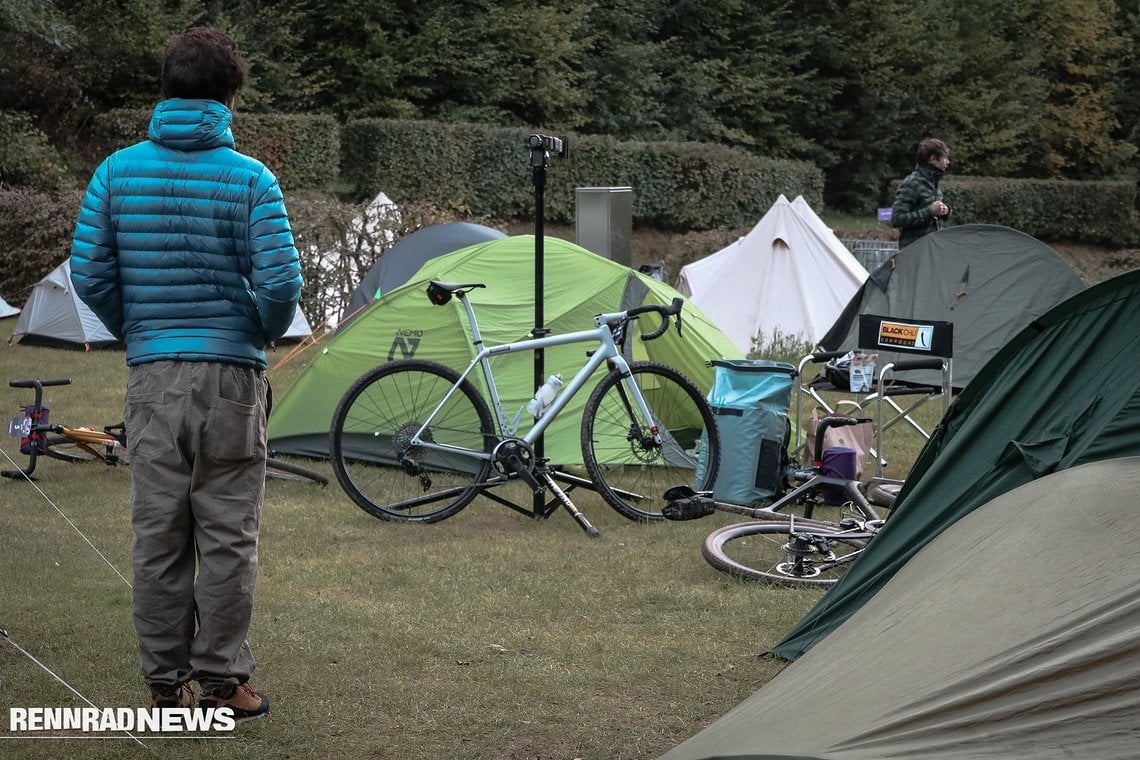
(545, 396)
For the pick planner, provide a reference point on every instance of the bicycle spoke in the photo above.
(629, 466)
(375, 455)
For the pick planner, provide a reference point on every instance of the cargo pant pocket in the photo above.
(148, 430)
(234, 432)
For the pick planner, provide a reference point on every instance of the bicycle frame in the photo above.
(607, 352)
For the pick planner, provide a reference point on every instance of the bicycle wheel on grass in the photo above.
(783, 553)
(67, 449)
(629, 470)
(372, 453)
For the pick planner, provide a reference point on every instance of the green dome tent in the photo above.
(404, 324)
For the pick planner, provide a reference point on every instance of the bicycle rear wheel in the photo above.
(373, 456)
(629, 470)
(784, 553)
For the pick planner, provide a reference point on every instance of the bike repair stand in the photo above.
(541, 146)
(31, 427)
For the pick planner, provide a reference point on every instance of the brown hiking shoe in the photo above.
(246, 703)
(164, 697)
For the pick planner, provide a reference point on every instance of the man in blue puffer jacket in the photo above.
(183, 249)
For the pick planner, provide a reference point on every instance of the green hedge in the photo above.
(37, 227)
(1091, 212)
(26, 157)
(487, 171)
(303, 151)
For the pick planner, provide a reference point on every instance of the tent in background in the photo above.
(54, 316)
(990, 281)
(789, 277)
(1011, 636)
(400, 262)
(7, 309)
(403, 324)
(299, 329)
(1063, 392)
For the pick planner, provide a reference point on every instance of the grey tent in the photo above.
(7, 309)
(1063, 392)
(1011, 636)
(54, 316)
(404, 259)
(990, 281)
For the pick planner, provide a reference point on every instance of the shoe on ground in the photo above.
(166, 697)
(246, 703)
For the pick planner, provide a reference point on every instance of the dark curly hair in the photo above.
(931, 148)
(203, 63)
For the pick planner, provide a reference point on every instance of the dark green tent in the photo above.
(1011, 636)
(990, 281)
(1064, 391)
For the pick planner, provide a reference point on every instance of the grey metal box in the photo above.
(604, 221)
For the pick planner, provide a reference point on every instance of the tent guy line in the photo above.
(67, 519)
(4, 633)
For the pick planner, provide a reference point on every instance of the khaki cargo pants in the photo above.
(196, 439)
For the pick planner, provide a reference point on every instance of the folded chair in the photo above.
(895, 399)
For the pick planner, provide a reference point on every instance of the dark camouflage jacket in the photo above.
(911, 212)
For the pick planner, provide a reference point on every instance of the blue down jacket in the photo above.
(183, 248)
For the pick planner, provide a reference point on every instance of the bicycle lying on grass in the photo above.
(787, 544)
(79, 445)
(414, 440)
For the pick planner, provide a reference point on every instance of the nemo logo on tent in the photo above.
(405, 344)
(902, 334)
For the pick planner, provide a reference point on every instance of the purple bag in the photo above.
(838, 462)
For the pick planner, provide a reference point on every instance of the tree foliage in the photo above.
(1027, 88)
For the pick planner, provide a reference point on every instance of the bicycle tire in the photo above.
(67, 449)
(371, 456)
(279, 469)
(630, 475)
(763, 551)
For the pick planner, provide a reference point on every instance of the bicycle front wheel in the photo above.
(371, 445)
(783, 553)
(68, 449)
(629, 469)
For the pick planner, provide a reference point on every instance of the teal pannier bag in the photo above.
(750, 398)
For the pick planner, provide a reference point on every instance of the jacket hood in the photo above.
(191, 125)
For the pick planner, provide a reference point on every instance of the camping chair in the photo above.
(933, 340)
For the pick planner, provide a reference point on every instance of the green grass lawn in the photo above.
(490, 635)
